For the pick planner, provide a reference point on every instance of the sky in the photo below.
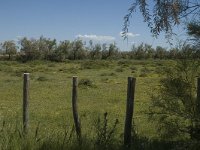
(97, 20)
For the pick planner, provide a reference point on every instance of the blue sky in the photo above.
(98, 20)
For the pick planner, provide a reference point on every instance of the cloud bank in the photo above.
(96, 37)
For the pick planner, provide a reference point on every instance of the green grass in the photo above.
(50, 95)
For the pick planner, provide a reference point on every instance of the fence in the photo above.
(129, 106)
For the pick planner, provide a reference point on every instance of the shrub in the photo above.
(86, 83)
(104, 133)
(175, 108)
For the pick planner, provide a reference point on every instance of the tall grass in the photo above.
(105, 137)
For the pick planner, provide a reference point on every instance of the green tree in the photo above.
(139, 52)
(46, 47)
(78, 51)
(173, 53)
(95, 52)
(160, 53)
(10, 48)
(113, 51)
(63, 50)
(29, 49)
(1, 49)
(104, 51)
(149, 50)
(162, 15)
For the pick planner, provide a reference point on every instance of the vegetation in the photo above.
(102, 90)
(175, 107)
(49, 50)
(166, 113)
(9, 48)
(163, 15)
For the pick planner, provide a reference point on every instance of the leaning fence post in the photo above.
(129, 111)
(74, 107)
(25, 102)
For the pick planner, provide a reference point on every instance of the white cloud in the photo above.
(129, 34)
(96, 37)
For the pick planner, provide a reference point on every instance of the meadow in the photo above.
(102, 89)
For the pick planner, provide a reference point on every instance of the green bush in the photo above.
(175, 107)
(85, 83)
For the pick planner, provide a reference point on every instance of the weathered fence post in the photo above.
(129, 111)
(74, 107)
(198, 96)
(26, 102)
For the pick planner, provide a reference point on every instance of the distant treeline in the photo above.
(48, 49)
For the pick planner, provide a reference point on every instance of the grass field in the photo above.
(102, 88)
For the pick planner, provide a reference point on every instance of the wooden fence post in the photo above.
(129, 111)
(198, 96)
(26, 102)
(74, 107)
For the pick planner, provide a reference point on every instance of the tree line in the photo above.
(49, 49)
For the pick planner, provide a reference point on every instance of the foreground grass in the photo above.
(66, 139)
(102, 89)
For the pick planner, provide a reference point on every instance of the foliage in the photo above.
(163, 15)
(49, 50)
(175, 106)
(95, 52)
(143, 51)
(10, 48)
(194, 31)
(104, 134)
(86, 83)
